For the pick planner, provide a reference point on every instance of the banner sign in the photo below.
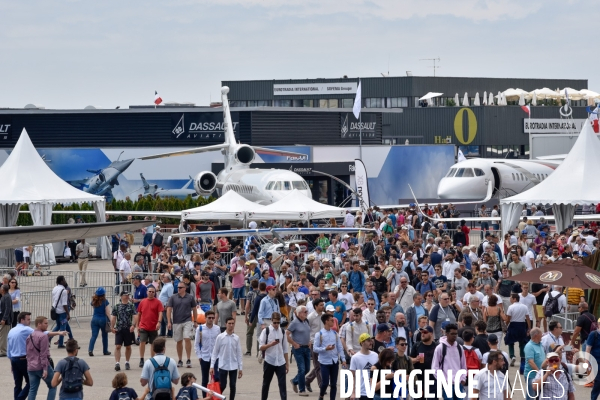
(294, 89)
(5, 128)
(201, 126)
(552, 125)
(351, 127)
(360, 175)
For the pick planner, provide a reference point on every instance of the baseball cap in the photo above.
(428, 329)
(289, 262)
(445, 324)
(100, 291)
(543, 234)
(138, 277)
(326, 260)
(570, 227)
(177, 270)
(261, 258)
(311, 258)
(329, 276)
(330, 308)
(318, 248)
(252, 262)
(552, 354)
(493, 339)
(383, 328)
(343, 255)
(363, 337)
(125, 293)
(270, 287)
(197, 263)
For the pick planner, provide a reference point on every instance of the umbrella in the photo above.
(565, 272)
(466, 100)
(456, 103)
(544, 93)
(476, 101)
(522, 99)
(589, 94)
(534, 100)
(491, 99)
(485, 99)
(514, 94)
(573, 94)
(431, 95)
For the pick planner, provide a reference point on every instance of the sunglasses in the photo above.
(402, 344)
(554, 360)
(210, 317)
(275, 322)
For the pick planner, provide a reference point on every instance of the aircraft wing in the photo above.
(275, 152)
(165, 214)
(187, 152)
(26, 235)
(79, 184)
(276, 231)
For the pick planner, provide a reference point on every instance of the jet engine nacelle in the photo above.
(205, 183)
(244, 154)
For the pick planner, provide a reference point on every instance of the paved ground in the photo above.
(102, 367)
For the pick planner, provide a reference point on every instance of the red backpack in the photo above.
(471, 358)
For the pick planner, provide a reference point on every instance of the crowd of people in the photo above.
(412, 295)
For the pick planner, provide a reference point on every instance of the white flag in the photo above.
(357, 103)
(461, 156)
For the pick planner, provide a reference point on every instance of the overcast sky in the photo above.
(71, 54)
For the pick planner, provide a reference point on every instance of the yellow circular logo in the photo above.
(550, 276)
(459, 131)
(593, 278)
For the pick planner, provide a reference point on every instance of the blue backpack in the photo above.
(161, 381)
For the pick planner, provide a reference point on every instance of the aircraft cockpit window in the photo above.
(479, 172)
(270, 185)
(451, 173)
(513, 175)
(101, 177)
(300, 185)
(287, 185)
(468, 173)
(277, 186)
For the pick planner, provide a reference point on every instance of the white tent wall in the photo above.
(510, 215)
(102, 244)
(8, 217)
(564, 214)
(41, 214)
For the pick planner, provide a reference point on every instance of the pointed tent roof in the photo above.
(26, 178)
(575, 180)
(230, 206)
(296, 206)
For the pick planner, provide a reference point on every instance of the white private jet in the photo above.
(259, 185)
(469, 179)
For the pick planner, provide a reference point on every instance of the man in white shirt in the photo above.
(553, 338)
(363, 361)
(529, 259)
(404, 293)
(228, 351)
(488, 381)
(354, 330)
(315, 323)
(370, 314)
(562, 300)
(349, 220)
(275, 348)
(488, 292)
(60, 301)
(471, 291)
(450, 265)
(125, 269)
(118, 257)
(206, 336)
(518, 326)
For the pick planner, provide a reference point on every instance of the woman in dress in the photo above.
(493, 315)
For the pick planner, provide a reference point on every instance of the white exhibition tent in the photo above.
(230, 206)
(574, 182)
(296, 207)
(25, 178)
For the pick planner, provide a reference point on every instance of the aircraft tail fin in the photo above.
(144, 182)
(229, 134)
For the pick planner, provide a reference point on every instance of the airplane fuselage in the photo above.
(263, 186)
(468, 179)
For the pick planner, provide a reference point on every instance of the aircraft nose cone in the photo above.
(444, 189)
(123, 165)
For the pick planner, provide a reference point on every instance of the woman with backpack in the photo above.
(99, 319)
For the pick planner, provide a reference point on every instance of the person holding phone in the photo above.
(275, 353)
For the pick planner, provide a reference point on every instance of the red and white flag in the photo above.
(526, 109)
(157, 98)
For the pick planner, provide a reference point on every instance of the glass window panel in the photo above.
(333, 103)
(459, 173)
(307, 103)
(251, 103)
(263, 103)
(277, 186)
(323, 103)
(287, 185)
(479, 172)
(451, 172)
(297, 103)
(282, 103)
(347, 103)
(468, 173)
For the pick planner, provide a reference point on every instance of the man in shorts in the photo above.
(180, 308)
(123, 324)
(149, 315)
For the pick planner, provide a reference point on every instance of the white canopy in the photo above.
(465, 101)
(25, 178)
(476, 101)
(296, 206)
(572, 93)
(230, 206)
(431, 95)
(575, 181)
(514, 94)
(589, 94)
(544, 93)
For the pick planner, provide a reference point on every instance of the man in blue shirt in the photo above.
(328, 346)
(166, 292)
(17, 353)
(534, 357)
(356, 278)
(267, 307)
(340, 308)
(369, 293)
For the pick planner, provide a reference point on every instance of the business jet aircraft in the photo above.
(469, 179)
(258, 185)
